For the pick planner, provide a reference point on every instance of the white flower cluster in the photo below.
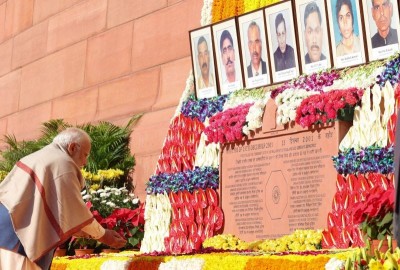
(111, 197)
(157, 215)
(370, 125)
(207, 155)
(360, 79)
(254, 117)
(115, 264)
(174, 264)
(334, 264)
(287, 103)
(240, 98)
(206, 16)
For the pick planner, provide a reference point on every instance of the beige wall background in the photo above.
(92, 60)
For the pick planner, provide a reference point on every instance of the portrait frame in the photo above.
(245, 21)
(224, 84)
(201, 38)
(380, 52)
(307, 65)
(279, 72)
(341, 57)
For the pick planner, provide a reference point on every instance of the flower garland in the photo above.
(370, 125)
(180, 145)
(254, 118)
(313, 82)
(300, 240)
(207, 155)
(244, 96)
(371, 159)
(391, 72)
(192, 263)
(204, 177)
(227, 126)
(202, 108)
(91, 262)
(363, 76)
(206, 15)
(287, 103)
(324, 108)
(157, 217)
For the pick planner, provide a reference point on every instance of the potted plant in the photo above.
(83, 246)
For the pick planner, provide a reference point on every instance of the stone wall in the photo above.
(92, 60)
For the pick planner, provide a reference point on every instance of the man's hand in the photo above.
(113, 239)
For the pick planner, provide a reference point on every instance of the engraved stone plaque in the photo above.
(280, 181)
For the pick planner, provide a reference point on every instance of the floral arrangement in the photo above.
(356, 195)
(362, 77)
(391, 71)
(203, 177)
(299, 240)
(195, 217)
(313, 82)
(157, 217)
(106, 200)
(129, 223)
(375, 213)
(227, 126)
(119, 210)
(207, 154)
(244, 96)
(327, 107)
(371, 159)
(101, 178)
(180, 145)
(203, 108)
(287, 103)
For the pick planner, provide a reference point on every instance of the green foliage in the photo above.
(378, 227)
(110, 146)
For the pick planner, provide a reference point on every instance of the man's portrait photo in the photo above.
(382, 12)
(253, 41)
(314, 35)
(203, 63)
(383, 23)
(284, 54)
(228, 56)
(347, 33)
(282, 41)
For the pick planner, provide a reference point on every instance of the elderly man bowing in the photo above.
(41, 204)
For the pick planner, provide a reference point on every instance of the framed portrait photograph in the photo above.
(382, 29)
(254, 49)
(282, 41)
(313, 34)
(347, 37)
(203, 66)
(227, 54)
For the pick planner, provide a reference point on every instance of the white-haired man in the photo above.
(41, 204)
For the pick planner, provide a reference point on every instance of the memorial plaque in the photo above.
(279, 181)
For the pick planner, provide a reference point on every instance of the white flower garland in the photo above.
(287, 103)
(157, 216)
(207, 155)
(254, 117)
(369, 127)
(174, 264)
(206, 16)
(360, 79)
(115, 265)
(334, 264)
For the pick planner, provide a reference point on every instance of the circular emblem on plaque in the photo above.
(276, 194)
